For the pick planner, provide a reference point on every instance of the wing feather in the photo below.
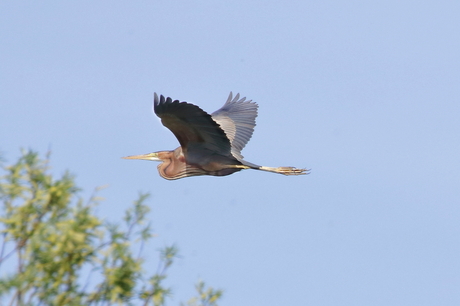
(237, 118)
(198, 134)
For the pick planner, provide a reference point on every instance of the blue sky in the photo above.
(365, 93)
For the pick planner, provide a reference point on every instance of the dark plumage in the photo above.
(209, 144)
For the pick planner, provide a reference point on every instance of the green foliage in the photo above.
(55, 251)
(206, 296)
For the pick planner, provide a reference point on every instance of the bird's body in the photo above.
(209, 144)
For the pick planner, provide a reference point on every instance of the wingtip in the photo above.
(230, 97)
(159, 100)
(237, 99)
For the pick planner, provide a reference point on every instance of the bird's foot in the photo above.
(286, 170)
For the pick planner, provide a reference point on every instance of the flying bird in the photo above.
(209, 144)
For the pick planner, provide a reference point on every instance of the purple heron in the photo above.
(209, 144)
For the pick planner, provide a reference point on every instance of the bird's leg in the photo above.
(239, 167)
(280, 170)
(284, 170)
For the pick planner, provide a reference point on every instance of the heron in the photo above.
(209, 144)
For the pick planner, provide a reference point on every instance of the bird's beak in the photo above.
(149, 156)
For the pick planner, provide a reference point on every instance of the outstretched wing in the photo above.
(237, 118)
(198, 134)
